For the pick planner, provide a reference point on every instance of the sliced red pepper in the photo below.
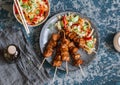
(41, 10)
(76, 24)
(16, 11)
(88, 38)
(88, 31)
(65, 22)
(46, 1)
(41, 13)
(34, 19)
(24, 1)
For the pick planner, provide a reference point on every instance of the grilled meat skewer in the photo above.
(50, 47)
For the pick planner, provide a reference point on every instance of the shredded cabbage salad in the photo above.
(81, 26)
(34, 11)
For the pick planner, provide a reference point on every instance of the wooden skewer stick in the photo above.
(54, 75)
(41, 64)
(66, 67)
(81, 70)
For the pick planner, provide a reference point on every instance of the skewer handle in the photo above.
(41, 64)
(67, 67)
(82, 71)
(54, 75)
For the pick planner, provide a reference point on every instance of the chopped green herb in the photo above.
(86, 23)
(90, 44)
(37, 12)
(31, 17)
(34, 5)
(24, 6)
(85, 27)
(61, 23)
(32, 1)
(28, 7)
(21, 2)
(75, 19)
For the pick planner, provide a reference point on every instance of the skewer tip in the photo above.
(54, 75)
(82, 71)
(66, 67)
(41, 64)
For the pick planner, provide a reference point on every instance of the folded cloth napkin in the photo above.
(24, 71)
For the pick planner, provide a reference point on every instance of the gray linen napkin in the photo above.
(24, 71)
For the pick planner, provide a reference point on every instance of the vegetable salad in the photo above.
(35, 11)
(81, 26)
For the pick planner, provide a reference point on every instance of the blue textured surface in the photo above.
(105, 14)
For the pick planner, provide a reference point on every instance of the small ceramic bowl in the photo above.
(33, 25)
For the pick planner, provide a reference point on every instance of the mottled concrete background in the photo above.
(105, 14)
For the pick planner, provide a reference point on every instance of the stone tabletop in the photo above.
(105, 14)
